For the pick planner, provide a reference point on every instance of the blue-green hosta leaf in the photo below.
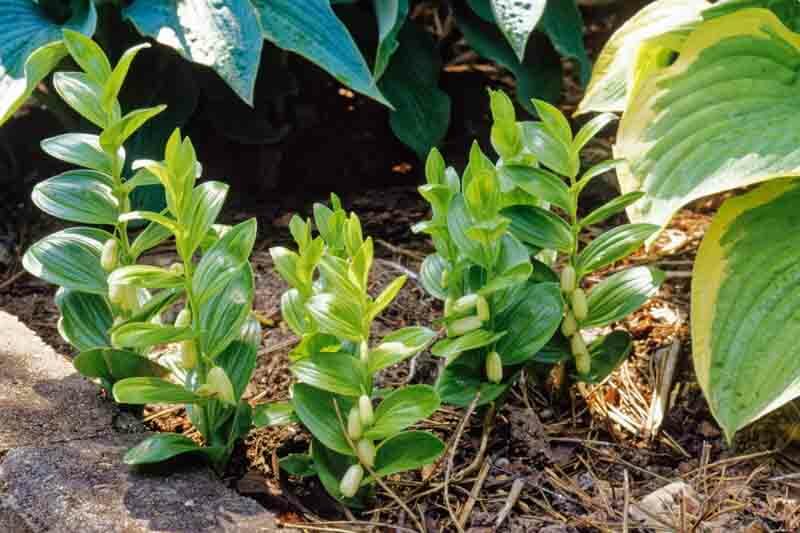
(70, 258)
(563, 24)
(222, 35)
(31, 47)
(86, 319)
(83, 196)
(614, 70)
(683, 143)
(421, 113)
(617, 296)
(391, 15)
(517, 20)
(311, 29)
(745, 296)
(786, 10)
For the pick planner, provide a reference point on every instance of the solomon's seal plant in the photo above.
(497, 231)
(111, 306)
(360, 433)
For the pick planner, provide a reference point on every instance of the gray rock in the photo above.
(61, 464)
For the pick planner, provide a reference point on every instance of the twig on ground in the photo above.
(451, 459)
(626, 487)
(511, 501)
(10, 281)
(473, 495)
(402, 251)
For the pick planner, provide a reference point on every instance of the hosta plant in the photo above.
(360, 433)
(707, 95)
(112, 307)
(504, 308)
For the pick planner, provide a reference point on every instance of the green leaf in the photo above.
(238, 360)
(409, 450)
(513, 266)
(70, 258)
(746, 128)
(81, 149)
(86, 318)
(430, 275)
(163, 446)
(146, 334)
(293, 311)
(222, 317)
(745, 306)
(298, 464)
(153, 307)
(273, 414)
(120, 72)
(563, 24)
(118, 132)
(607, 353)
(398, 346)
(459, 222)
(224, 36)
(391, 16)
(146, 276)
(314, 408)
(114, 365)
(31, 47)
(312, 30)
(338, 372)
(421, 113)
(459, 381)
(517, 20)
(402, 408)
(83, 95)
(612, 246)
(540, 183)
(88, 55)
(538, 76)
(539, 227)
(144, 390)
(386, 297)
(553, 152)
(531, 323)
(78, 196)
(335, 316)
(330, 467)
(621, 294)
(589, 130)
(609, 87)
(611, 208)
(206, 203)
(152, 235)
(224, 259)
(469, 341)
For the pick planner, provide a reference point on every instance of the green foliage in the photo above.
(488, 226)
(328, 305)
(112, 308)
(402, 71)
(707, 95)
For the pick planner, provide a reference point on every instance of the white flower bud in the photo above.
(366, 452)
(351, 481)
(583, 361)
(366, 414)
(464, 325)
(579, 305)
(188, 354)
(569, 326)
(483, 309)
(176, 268)
(465, 303)
(494, 367)
(110, 255)
(354, 428)
(184, 318)
(217, 385)
(444, 279)
(568, 279)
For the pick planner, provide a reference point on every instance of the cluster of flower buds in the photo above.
(360, 418)
(465, 306)
(577, 310)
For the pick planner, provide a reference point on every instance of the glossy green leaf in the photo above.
(293, 311)
(83, 95)
(88, 55)
(146, 334)
(274, 414)
(31, 47)
(223, 260)
(398, 346)
(114, 365)
(409, 450)
(459, 222)
(531, 323)
(553, 152)
(336, 316)
(517, 20)
(152, 235)
(737, 131)
(144, 390)
(539, 227)
(117, 77)
(607, 353)
(421, 113)
(744, 306)
(298, 464)
(540, 183)
(612, 246)
(391, 16)
(238, 359)
(513, 266)
(312, 30)
(78, 196)
(81, 149)
(430, 275)
(619, 295)
(339, 373)
(314, 408)
(402, 408)
(386, 297)
(462, 379)
(469, 341)
(222, 317)
(206, 204)
(563, 24)
(163, 446)
(146, 276)
(612, 75)
(70, 258)
(611, 208)
(119, 131)
(330, 467)
(223, 36)
(86, 318)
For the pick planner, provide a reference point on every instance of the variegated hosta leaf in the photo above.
(30, 47)
(517, 20)
(614, 70)
(746, 306)
(724, 115)
(225, 36)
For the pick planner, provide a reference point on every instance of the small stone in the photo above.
(665, 502)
